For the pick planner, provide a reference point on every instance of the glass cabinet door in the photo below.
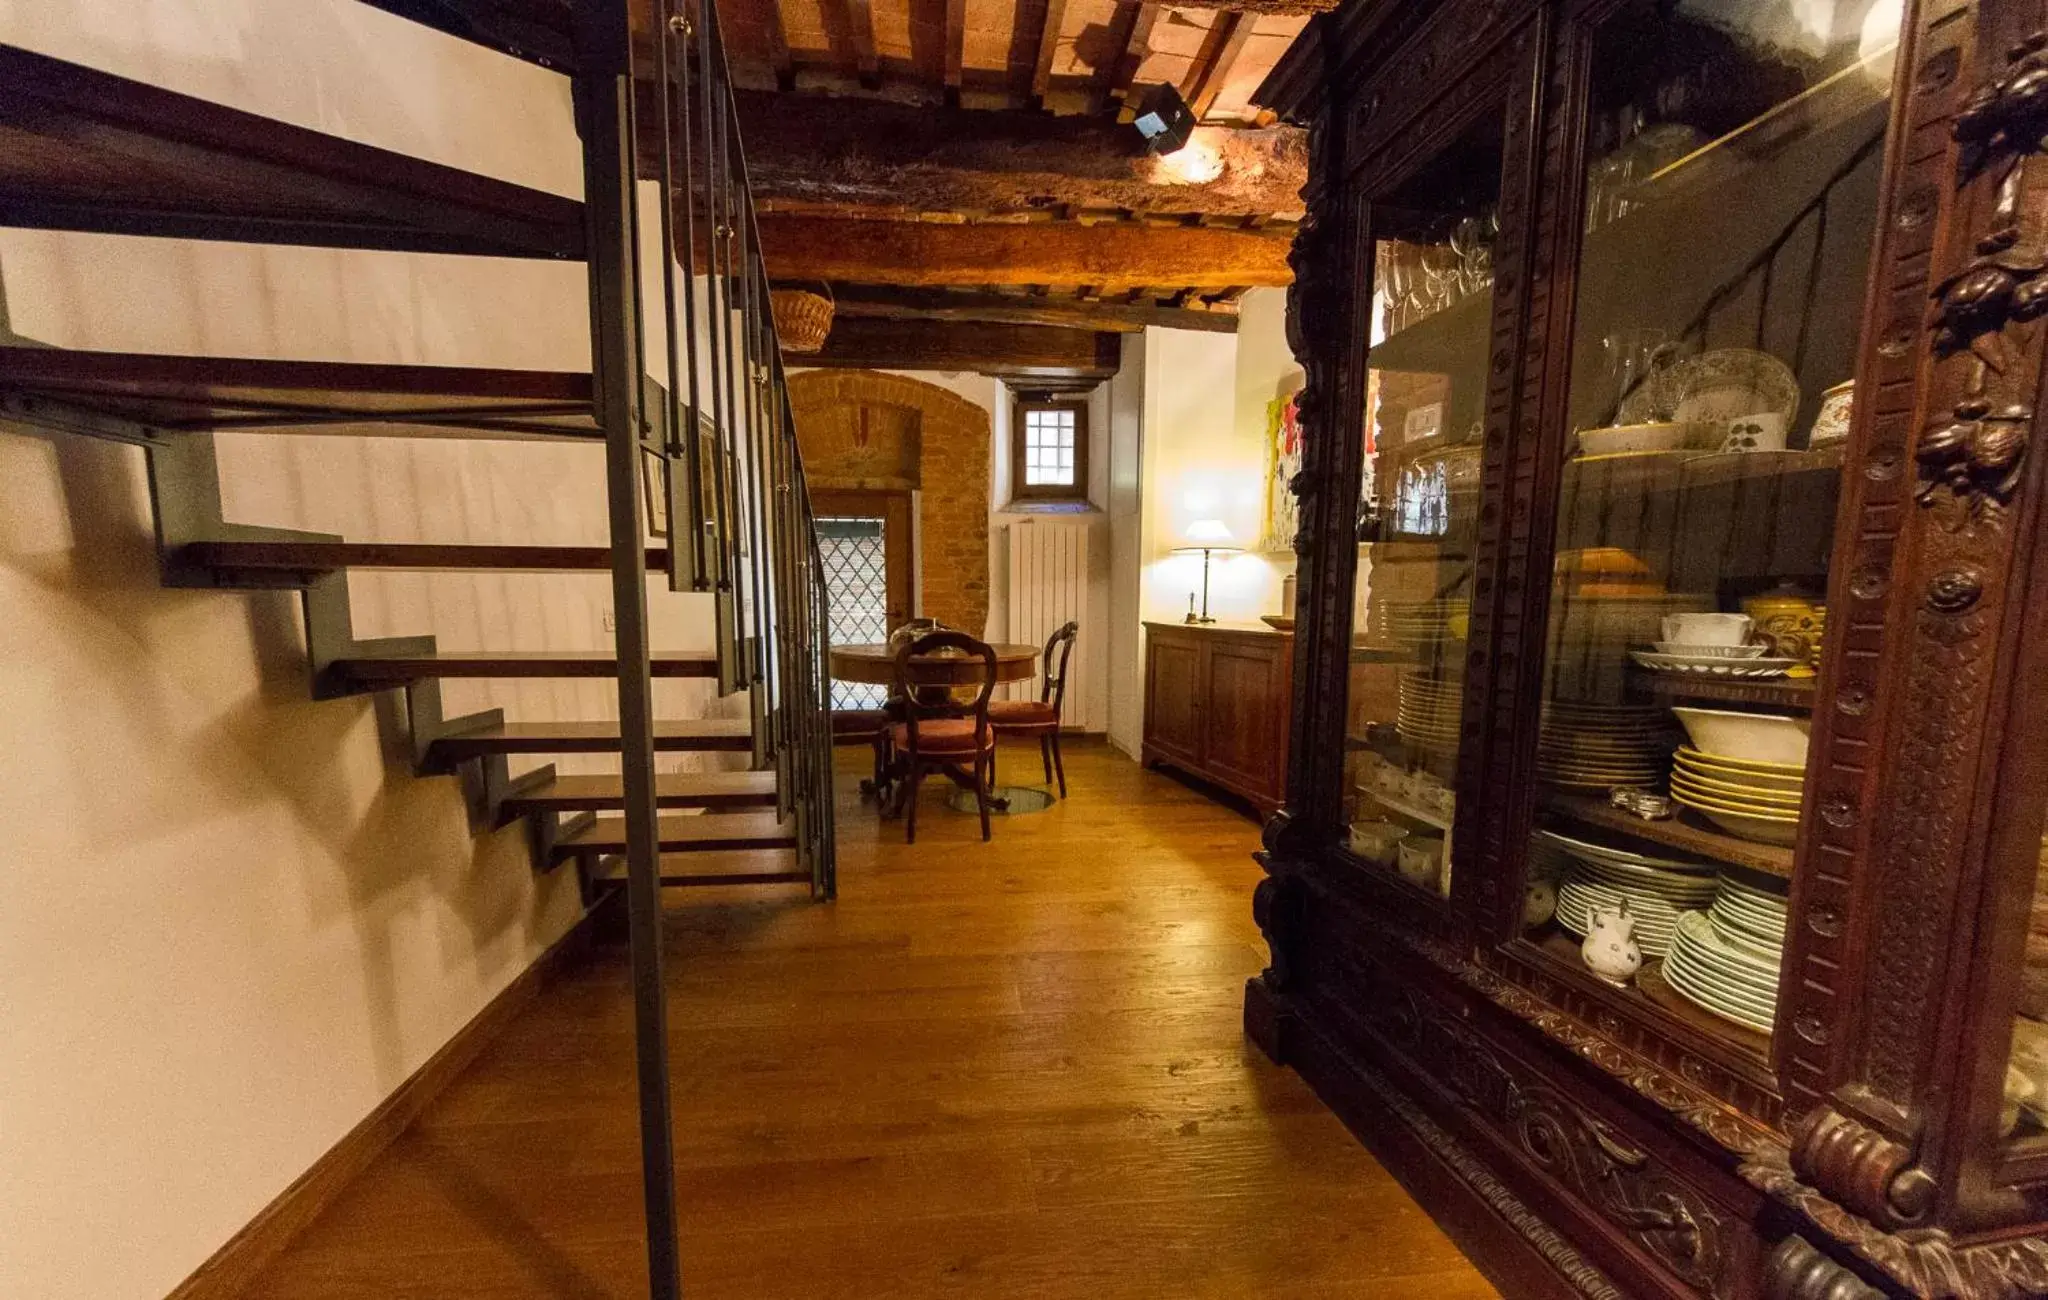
(1425, 393)
(1734, 152)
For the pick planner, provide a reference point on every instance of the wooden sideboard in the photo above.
(1216, 705)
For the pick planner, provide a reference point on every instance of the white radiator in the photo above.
(1049, 587)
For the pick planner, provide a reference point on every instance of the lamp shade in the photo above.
(1213, 533)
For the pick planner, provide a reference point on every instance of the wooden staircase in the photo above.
(85, 150)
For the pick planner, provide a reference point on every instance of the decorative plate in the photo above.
(1709, 667)
(1728, 382)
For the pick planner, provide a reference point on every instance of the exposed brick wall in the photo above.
(864, 429)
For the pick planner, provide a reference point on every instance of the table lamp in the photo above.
(1207, 536)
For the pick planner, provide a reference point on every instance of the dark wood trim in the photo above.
(234, 1268)
(1024, 403)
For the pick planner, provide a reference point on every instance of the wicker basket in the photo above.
(802, 319)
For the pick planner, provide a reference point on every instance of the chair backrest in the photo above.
(932, 700)
(1053, 690)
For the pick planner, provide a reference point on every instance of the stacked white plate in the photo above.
(1427, 708)
(1747, 797)
(1415, 622)
(1591, 746)
(1725, 959)
(1656, 890)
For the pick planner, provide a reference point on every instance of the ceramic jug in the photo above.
(1610, 949)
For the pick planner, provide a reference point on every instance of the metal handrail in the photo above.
(732, 485)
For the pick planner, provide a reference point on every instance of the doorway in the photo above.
(864, 543)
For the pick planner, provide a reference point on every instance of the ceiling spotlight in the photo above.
(1164, 119)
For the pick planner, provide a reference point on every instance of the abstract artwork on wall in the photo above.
(1283, 462)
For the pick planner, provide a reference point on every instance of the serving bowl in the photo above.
(1755, 737)
(1660, 436)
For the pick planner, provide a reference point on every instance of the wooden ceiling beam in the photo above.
(956, 50)
(1130, 34)
(888, 302)
(859, 17)
(1211, 68)
(1262, 8)
(1017, 351)
(1048, 43)
(848, 152)
(780, 60)
(1112, 258)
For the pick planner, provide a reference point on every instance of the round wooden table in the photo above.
(875, 665)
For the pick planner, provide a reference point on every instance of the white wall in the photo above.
(1125, 503)
(233, 920)
(1188, 442)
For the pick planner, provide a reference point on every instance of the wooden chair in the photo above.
(866, 727)
(939, 732)
(1041, 717)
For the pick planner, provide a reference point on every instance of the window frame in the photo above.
(1023, 491)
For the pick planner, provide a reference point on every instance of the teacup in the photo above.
(1418, 860)
(1707, 629)
(1762, 431)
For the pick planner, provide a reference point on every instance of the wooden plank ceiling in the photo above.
(971, 161)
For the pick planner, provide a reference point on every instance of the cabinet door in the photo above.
(1173, 726)
(1691, 460)
(1243, 740)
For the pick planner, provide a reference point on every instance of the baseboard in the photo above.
(236, 1265)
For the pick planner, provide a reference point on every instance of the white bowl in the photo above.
(1614, 439)
(1757, 737)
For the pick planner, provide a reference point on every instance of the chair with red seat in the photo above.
(1041, 717)
(939, 732)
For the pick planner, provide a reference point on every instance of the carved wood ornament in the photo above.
(1979, 456)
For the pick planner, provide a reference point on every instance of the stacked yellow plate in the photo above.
(1754, 799)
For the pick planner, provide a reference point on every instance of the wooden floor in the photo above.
(989, 1071)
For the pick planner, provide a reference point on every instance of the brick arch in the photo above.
(865, 429)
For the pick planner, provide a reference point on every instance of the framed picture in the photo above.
(1283, 462)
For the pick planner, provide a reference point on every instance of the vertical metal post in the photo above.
(604, 101)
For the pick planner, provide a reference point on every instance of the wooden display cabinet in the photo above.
(1575, 283)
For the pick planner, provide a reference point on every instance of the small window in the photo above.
(1049, 450)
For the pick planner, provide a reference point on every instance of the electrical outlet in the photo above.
(609, 621)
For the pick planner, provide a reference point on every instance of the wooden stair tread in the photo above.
(695, 734)
(397, 670)
(685, 833)
(345, 397)
(83, 149)
(729, 867)
(325, 557)
(671, 790)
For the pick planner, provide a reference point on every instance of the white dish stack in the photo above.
(1428, 708)
(1657, 891)
(1725, 960)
